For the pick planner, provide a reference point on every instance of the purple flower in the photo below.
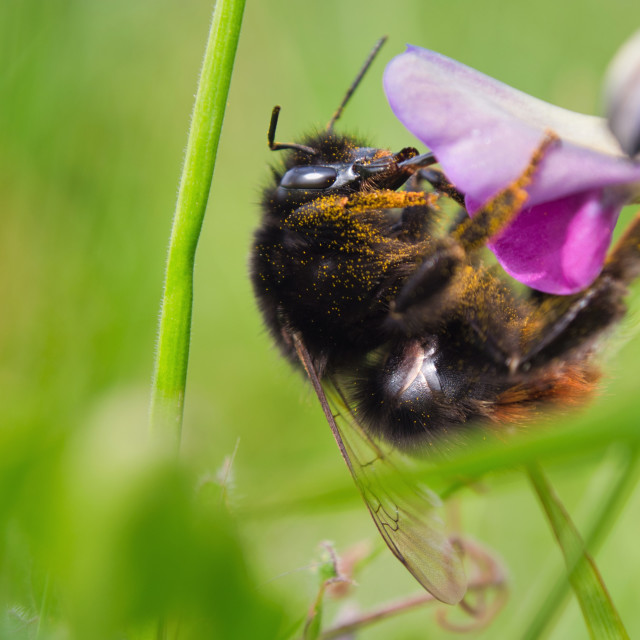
(484, 133)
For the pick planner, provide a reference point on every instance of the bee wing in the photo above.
(406, 514)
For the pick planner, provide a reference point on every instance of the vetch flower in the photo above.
(484, 133)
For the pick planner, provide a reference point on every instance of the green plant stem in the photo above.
(601, 524)
(600, 615)
(172, 353)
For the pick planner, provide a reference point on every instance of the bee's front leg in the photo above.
(440, 183)
(387, 199)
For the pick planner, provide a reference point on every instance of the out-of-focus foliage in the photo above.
(101, 537)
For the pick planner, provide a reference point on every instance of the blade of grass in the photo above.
(602, 522)
(600, 615)
(536, 445)
(172, 352)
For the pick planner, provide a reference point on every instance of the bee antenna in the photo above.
(356, 82)
(277, 146)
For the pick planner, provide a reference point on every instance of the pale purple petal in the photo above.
(484, 132)
(559, 246)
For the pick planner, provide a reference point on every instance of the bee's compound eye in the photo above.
(311, 177)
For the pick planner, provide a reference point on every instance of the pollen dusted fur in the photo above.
(417, 335)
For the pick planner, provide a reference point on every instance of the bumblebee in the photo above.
(408, 337)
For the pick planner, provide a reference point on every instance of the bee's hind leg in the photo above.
(566, 324)
(623, 263)
(495, 216)
(445, 256)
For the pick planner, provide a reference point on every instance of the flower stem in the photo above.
(172, 353)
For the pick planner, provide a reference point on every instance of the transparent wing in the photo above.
(406, 514)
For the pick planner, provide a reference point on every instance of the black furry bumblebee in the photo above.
(407, 337)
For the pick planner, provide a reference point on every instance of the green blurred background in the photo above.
(99, 536)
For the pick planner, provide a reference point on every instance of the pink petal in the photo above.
(559, 247)
(484, 133)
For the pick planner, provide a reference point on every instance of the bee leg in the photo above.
(383, 199)
(418, 223)
(439, 182)
(459, 218)
(473, 233)
(567, 324)
(572, 322)
(414, 183)
(496, 215)
(623, 263)
(430, 282)
(433, 276)
(430, 279)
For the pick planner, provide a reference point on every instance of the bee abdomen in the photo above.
(400, 395)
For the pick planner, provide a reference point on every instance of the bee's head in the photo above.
(332, 164)
(327, 163)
